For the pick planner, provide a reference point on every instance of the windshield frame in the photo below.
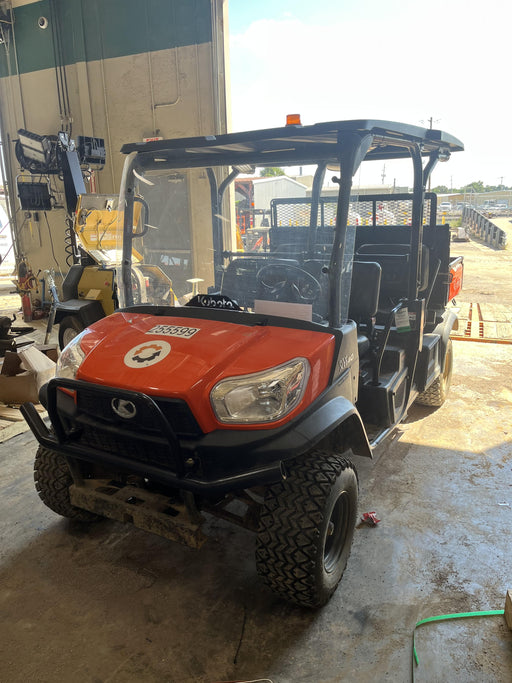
(343, 144)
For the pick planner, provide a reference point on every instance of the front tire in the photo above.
(53, 479)
(306, 528)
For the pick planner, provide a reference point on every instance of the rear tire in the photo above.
(69, 327)
(306, 528)
(437, 392)
(53, 479)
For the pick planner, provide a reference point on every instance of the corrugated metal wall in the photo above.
(266, 189)
(121, 70)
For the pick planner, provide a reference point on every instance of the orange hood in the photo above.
(185, 357)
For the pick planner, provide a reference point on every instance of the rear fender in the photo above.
(443, 329)
(88, 312)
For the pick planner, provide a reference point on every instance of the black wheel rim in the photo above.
(337, 531)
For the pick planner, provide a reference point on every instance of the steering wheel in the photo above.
(289, 283)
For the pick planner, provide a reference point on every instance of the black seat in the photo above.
(288, 239)
(395, 261)
(239, 281)
(364, 300)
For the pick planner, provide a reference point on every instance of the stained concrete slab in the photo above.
(107, 603)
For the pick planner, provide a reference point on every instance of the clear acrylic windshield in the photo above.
(261, 244)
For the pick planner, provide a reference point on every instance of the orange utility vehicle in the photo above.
(249, 397)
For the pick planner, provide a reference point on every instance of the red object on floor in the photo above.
(370, 518)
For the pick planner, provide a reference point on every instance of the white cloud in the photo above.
(425, 60)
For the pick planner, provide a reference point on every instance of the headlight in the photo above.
(71, 358)
(262, 397)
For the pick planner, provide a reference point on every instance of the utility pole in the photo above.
(430, 122)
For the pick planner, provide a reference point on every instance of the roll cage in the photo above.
(342, 145)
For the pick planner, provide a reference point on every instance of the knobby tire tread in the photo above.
(53, 479)
(435, 395)
(437, 392)
(293, 512)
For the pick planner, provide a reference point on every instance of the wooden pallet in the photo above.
(12, 421)
(491, 323)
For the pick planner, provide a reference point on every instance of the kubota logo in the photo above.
(125, 409)
(144, 355)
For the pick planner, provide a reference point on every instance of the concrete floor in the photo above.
(110, 604)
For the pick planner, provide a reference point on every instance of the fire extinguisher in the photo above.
(25, 278)
(26, 305)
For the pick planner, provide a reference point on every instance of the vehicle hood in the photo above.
(183, 357)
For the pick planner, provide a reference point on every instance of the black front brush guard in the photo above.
(174, 475)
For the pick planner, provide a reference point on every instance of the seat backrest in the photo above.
(240, 282)
(364, 292)
(288, 239)
(395, 261)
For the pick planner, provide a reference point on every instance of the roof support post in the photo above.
(352, 149)
(216, 225)
(217, 195)
(315, 204)
(417, 221)
(127, 196)
(429, 167)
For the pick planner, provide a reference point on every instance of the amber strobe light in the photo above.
(293, 120)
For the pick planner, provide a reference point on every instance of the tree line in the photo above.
(476, 186)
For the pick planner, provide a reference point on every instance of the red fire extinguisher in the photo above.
(25, 278)
(26, 305)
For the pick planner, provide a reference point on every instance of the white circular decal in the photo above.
(147, 353)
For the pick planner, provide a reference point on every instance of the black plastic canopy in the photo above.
(293, 145)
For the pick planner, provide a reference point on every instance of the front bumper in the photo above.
(165, 443)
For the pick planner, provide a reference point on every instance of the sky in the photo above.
(399, 60)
